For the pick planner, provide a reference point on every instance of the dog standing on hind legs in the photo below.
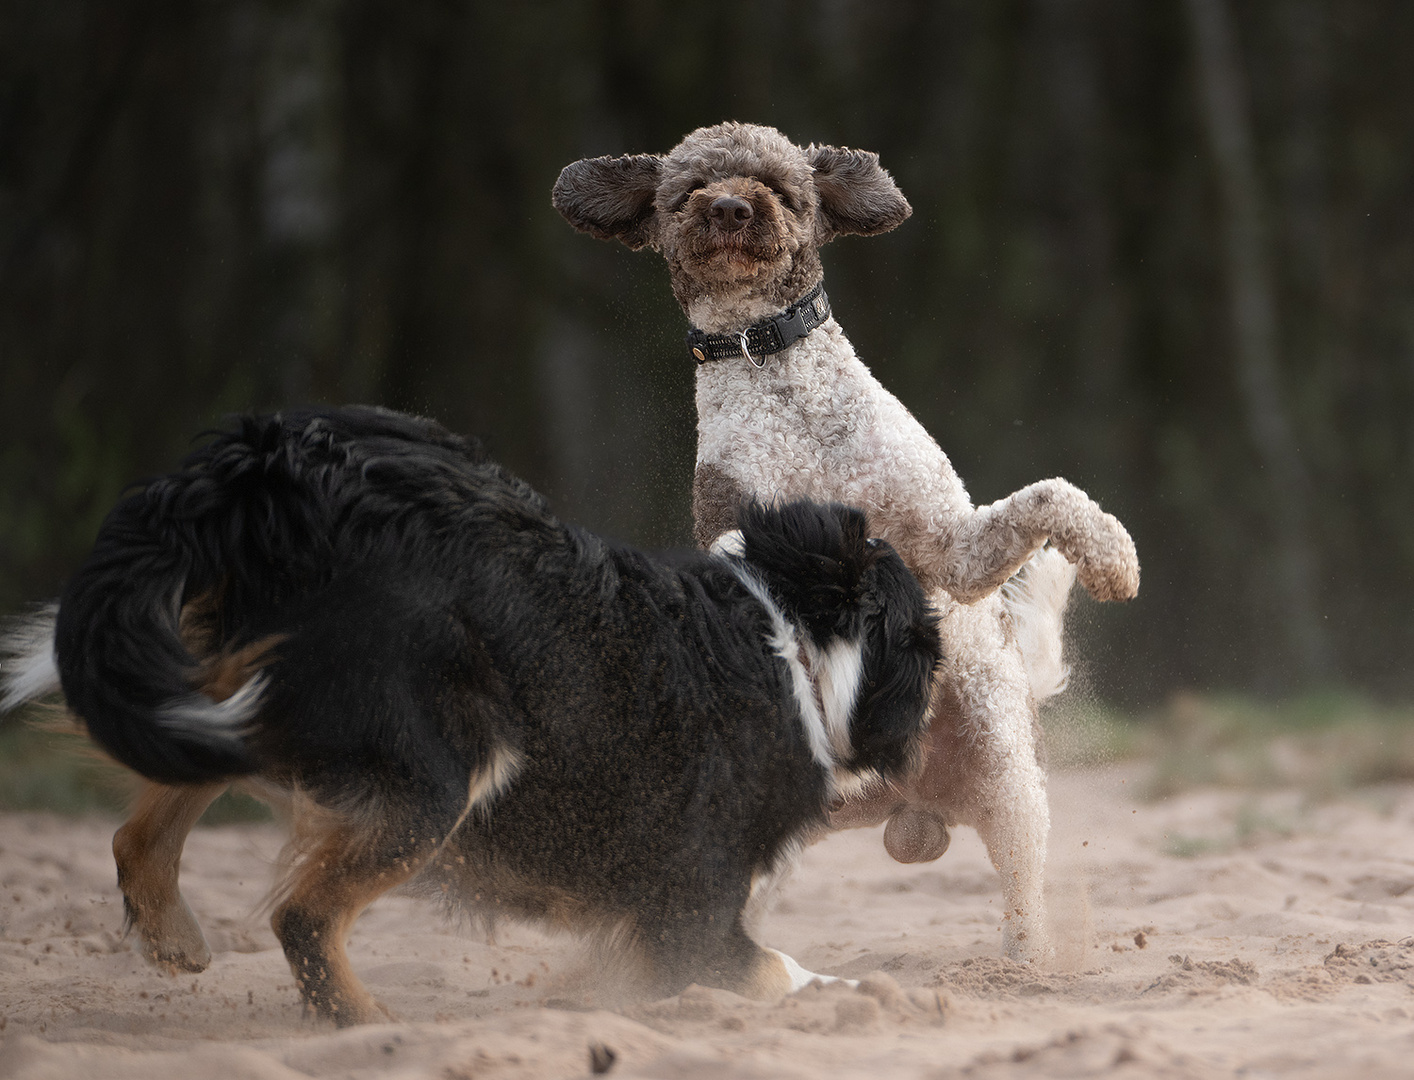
(456, 691)
(785, 408)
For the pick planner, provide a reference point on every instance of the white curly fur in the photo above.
(1036, 597)
(812, 421)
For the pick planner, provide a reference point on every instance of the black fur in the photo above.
(431, 617)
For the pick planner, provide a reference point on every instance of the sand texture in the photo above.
(1212, 934)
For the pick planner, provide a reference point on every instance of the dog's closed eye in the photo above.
(681, 201)
(784, 194)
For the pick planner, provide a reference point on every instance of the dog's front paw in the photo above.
(1108, 564)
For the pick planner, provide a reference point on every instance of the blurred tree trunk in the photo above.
(1252, 308)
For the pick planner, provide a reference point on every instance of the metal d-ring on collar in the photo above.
(746, 351)
(767, 337)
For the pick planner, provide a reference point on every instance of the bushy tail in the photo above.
(118, 648)
(245, 522)
(1036, 597)
(114, 648)
(27, 668)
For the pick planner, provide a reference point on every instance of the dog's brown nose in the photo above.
(730, 213)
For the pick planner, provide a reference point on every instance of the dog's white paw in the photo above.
(801, 978)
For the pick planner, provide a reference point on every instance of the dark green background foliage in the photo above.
(1163, 249)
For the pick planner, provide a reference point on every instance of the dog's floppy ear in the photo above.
(610, 197)
(812, 558)
(902, 649)
(857, 195)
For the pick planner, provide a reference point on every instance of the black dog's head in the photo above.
(738, 210)
(868, 637)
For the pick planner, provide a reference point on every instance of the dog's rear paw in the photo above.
(1028, 947)
(177, 961)
(344, 1006)
(171, 939)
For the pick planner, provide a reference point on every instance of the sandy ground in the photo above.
(1213, 934)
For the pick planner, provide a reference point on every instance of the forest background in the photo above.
(1163, 249)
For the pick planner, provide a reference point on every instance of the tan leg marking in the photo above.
(148, 851)
(344, 872)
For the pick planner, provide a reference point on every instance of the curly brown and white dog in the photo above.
(354, 609)
(785, 408)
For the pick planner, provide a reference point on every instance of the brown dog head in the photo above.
(738, 210)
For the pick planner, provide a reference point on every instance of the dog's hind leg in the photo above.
(148, 851)
(983, 770)
(1013, 825)
(348, 864)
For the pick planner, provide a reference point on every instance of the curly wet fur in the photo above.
(813, 421)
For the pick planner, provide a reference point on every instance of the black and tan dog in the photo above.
(355, 608)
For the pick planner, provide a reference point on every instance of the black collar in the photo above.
(771, 335)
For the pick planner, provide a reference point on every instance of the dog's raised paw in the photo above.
(1110, 570)
(1107, 582)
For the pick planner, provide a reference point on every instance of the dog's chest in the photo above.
(813, 422)
(783, 421)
